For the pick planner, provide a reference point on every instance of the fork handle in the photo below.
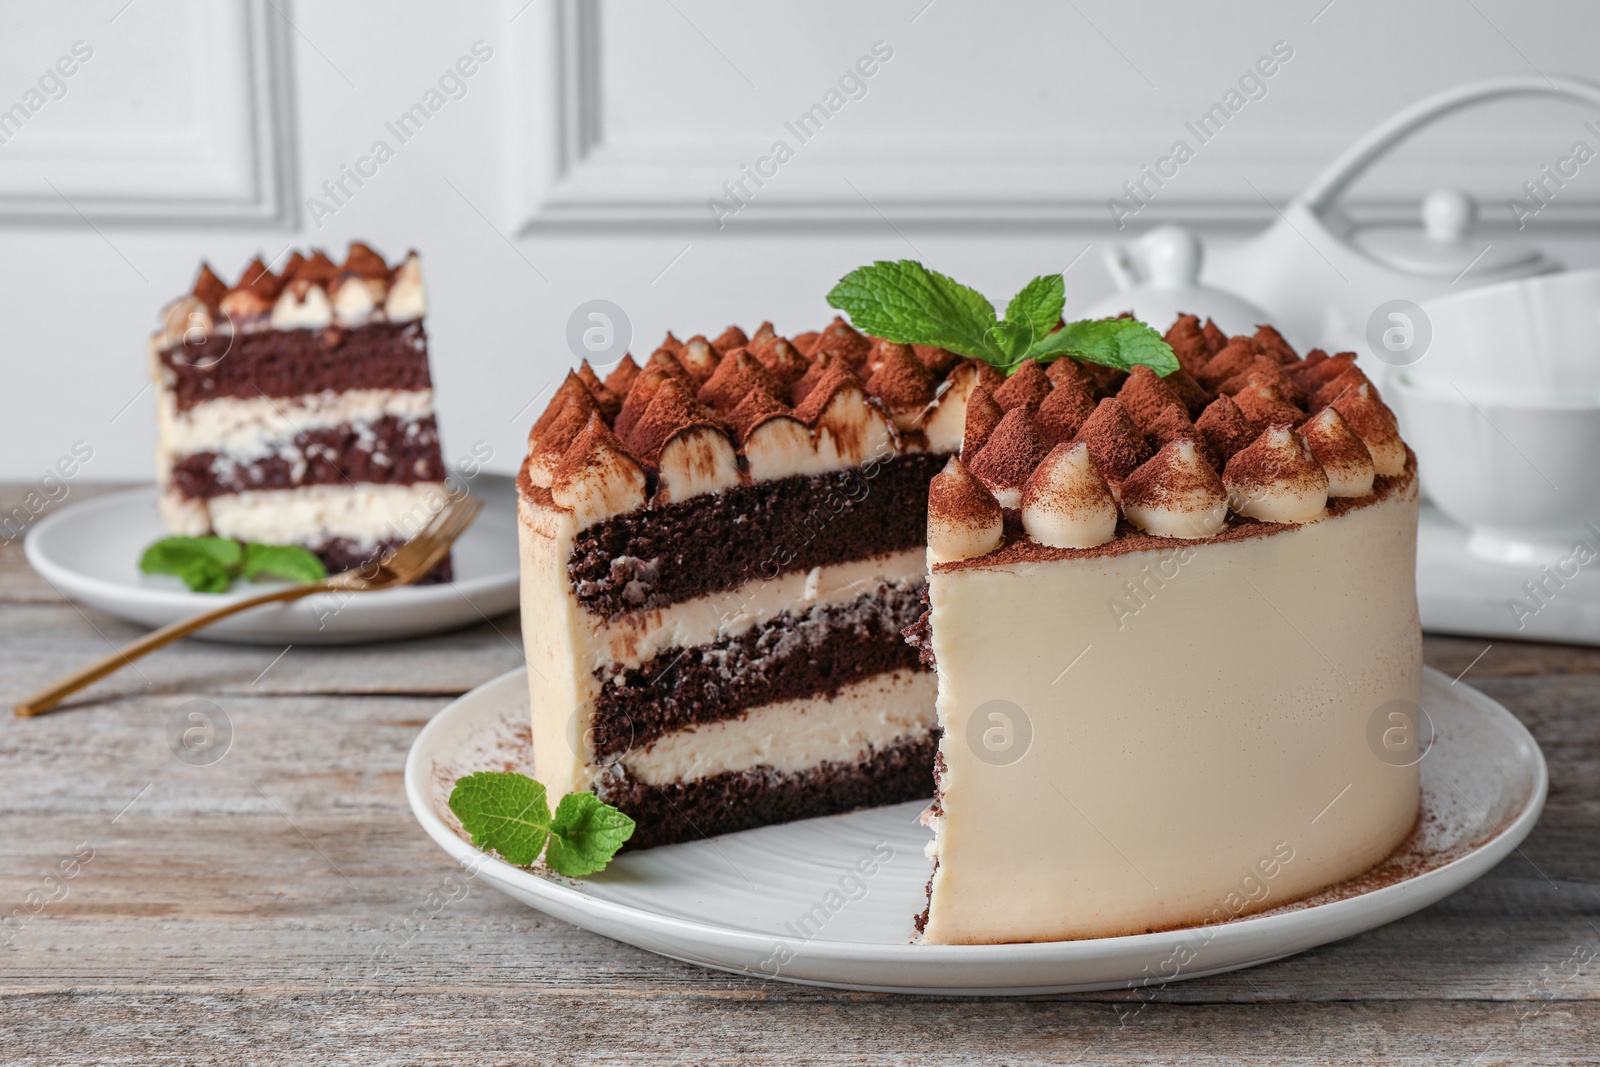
(50, 696)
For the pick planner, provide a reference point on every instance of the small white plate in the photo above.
(765, 902)
(90, 553)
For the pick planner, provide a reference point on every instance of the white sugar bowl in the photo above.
(1521, 474)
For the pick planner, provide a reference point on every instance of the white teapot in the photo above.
(1326, 280)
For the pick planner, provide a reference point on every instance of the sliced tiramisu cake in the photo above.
(720, 549)
(1177, 644)
(296, 407)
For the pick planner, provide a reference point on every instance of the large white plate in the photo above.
(740, 902)
(90, 553)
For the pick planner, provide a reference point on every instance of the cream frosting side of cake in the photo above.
(253, 427)
(795, 735)
(561, 684)
(636, 637)
(366, 513)
(1161, 772)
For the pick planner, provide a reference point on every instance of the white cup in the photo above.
(1534, 339)
(1523, 476)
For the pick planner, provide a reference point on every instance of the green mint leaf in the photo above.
(1039, 305)
(205, 564)
(1012, 341)
(224, 551)
(289, 562)
(1120, 343)
(907, 303)
(585, 834)
(503, 811)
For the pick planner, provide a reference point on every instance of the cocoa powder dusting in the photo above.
(729, 339)
(1067, 369)
(1172, 474)
(1027, 385)
(1115, 443)
(1012, 452)
(983, 415)
(1145, 396)
(622, 377)
(1064, 411)
(1225, 428)
(1188, 343)
(957, 497)
(1273, 343)
(1329, 391)
(901, 381)
(1234, 358)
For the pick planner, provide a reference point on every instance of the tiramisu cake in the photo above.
(1164, 612)
(295, 407)
(1175, 639)
(719, 552)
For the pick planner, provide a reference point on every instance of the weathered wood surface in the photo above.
(235, 913)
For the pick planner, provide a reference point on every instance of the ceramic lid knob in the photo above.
(1172, 257)
(1447, 214)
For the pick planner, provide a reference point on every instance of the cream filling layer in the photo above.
(365, 513)
(794, 735)
(638, 637)
(248, 428)
(1193, 730)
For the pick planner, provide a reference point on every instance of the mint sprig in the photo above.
(904, 302)
(508, 812)
(210, 564)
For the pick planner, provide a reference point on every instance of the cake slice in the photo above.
(719, 551)
(297, 408)
(1179, 661)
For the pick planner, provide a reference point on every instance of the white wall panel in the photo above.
(172, 111)
(986, 147)
(1014, 115)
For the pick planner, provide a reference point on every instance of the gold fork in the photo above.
(403, 566)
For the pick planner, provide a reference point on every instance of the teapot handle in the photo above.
(1354, 161)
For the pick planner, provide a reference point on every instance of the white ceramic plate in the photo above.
(90, 553)
(741, 902)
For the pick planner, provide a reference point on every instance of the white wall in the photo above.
(579, 161)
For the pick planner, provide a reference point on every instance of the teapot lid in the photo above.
(1444, 246)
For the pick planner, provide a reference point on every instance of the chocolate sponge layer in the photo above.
(795, 655)
(724, 803)
(655, 557)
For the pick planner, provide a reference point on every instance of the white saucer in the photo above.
(737, 902)
(1458, 593)
(90, 553)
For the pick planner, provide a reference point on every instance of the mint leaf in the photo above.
(206, 564)
(585, 834)
(289, 562)
(1120, 343)
(503, 811)
(224, 551)
(907, 303)
(508, 812)
(1039, 305)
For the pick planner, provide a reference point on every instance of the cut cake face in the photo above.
(720, 550)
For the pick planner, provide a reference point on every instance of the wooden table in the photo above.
(282, 906)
